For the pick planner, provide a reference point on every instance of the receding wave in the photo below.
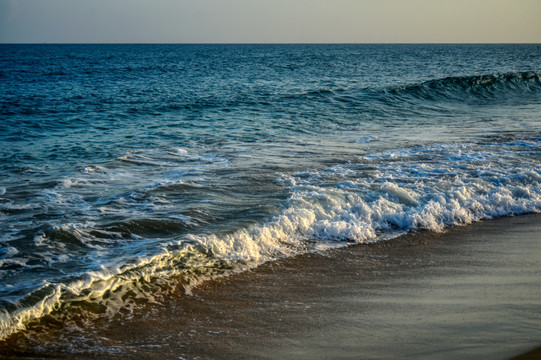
(373, 198)
(511, 86)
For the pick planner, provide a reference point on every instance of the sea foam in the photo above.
(109, 200)
(370, 198)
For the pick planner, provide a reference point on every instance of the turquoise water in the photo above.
(127, 166)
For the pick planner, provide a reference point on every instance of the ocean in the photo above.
(129, 171)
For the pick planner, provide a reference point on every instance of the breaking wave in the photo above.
(372, 198)
(500, 87)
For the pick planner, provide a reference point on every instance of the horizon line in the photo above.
(270, 43)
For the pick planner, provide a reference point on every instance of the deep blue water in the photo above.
(130, 169)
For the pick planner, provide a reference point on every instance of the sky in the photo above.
(270, 21)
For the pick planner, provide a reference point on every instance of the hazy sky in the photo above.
(240, 21)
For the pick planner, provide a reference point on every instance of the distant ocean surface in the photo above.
(129, 170)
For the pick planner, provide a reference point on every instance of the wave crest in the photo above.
(471, 88)
(370, 199)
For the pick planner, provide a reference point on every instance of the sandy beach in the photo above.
(472, 292)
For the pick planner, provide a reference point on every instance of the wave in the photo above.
(373, 198)
(499, 87)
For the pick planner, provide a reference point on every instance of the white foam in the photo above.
(373, 199)
(463, 185)
(178, 151)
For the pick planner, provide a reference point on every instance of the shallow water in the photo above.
(125, 166)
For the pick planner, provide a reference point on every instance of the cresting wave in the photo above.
(480, 87)
(370, 198)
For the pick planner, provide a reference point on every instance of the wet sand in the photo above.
(471, 293)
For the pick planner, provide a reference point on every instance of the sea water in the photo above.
(127, 170)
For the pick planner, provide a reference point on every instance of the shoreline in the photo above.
(472, 292)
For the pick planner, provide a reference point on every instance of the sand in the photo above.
(473, 292)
